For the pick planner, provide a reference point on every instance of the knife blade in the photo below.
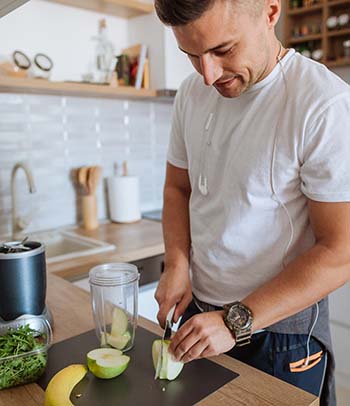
(169, 324)
(166, 336)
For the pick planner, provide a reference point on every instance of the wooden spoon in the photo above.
(83, 178)
(93, 178)
(125, 168)
(97, 175)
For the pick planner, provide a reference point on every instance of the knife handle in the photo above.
(170, 315)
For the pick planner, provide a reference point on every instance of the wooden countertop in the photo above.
(72, 315)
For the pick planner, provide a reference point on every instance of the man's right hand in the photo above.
(174, 288)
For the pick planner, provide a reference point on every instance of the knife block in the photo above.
(89, 212)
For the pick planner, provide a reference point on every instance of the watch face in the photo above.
(239, 317)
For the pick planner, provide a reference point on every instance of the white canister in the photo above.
(124, 199)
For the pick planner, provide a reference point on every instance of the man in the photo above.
(256, 213)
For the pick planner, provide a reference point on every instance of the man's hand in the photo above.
(203, 335)
(174, 288)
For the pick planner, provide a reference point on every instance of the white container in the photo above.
(124, 199)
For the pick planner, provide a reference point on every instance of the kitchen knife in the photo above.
(166, 336)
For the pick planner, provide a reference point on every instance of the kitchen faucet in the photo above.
(16, 222)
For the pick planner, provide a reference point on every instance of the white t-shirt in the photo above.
(239, 230)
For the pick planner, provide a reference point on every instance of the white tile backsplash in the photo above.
(56, 135)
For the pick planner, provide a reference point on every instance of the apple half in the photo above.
(170, 369)
(107, 363)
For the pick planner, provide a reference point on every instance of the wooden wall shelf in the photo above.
(303, 10)
(41, 86)
(337, 2)
(339, 33)
(119, 8)
(314, 19)
(306, 38)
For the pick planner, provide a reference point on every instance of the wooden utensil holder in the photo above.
(89, 212)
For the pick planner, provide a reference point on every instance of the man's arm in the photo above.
(174, 286)
(309, 278)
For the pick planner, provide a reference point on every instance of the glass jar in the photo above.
(114, 298)
(346, 45)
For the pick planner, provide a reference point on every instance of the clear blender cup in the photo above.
(114, 298)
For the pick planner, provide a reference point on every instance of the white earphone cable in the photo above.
(279, 59)
(206, 143)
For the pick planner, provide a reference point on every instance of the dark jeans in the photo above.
(280, 355)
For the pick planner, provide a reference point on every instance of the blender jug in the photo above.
(114, 299)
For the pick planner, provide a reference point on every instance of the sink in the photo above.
(61, 245)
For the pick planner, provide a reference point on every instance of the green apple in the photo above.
(170, 369)
(107, 363)
(119, 322)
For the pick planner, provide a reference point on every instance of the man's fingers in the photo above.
(185, 345)
(162, 313)
(182, 306)
(181, 335)
(195, 352)
(208, 352)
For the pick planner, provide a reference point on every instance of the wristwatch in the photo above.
(239, 318)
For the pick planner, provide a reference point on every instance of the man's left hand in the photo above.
(203, 335)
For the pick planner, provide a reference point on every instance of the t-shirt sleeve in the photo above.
(325, 172)
(177, 154)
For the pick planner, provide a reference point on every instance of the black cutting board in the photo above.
(136, 386)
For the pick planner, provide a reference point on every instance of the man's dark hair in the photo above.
(182, 12)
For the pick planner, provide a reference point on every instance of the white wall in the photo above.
(177, 64)
(169, 66)
(64, 33)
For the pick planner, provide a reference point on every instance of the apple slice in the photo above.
(170, 369)
(119, 341)
(119, 322)
(107, 363)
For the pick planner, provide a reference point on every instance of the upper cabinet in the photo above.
(119, 8)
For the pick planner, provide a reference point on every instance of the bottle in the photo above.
(104, 55)
(317, 54)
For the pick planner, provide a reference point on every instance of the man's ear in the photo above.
(273, 12)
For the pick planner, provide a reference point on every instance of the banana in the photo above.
(61, 385)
